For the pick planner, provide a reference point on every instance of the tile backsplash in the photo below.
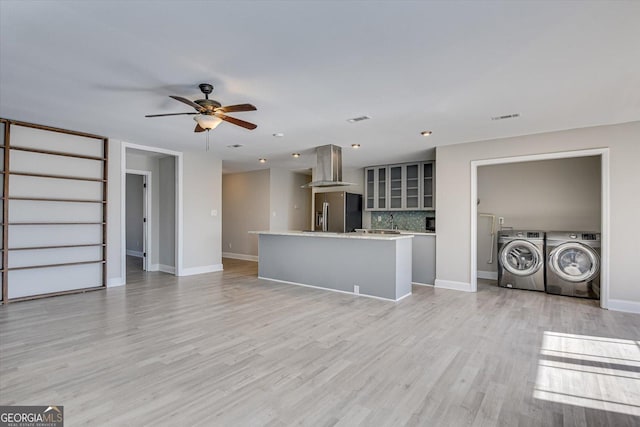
(404, 220)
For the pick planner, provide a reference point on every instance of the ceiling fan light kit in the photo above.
(210, 113)
(207, 122)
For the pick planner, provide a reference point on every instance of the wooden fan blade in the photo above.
(237, 122)
(170, 114)
(199, 128)
(236, 108)
(188, 102)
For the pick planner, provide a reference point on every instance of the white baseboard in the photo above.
(421, 284)
(624, 305)
(200, 270)
(489, 275)
(334, 290)
(136, 254)
(240, 256)
(114, 281)
(450, 284)
(164, 268)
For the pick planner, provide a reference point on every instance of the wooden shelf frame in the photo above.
(7, 147)
(61, 264)
(52, 199)
(36, 248)
(44, 175)
(55, 153)
(55, 223)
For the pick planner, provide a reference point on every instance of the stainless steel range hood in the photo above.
(328, 167)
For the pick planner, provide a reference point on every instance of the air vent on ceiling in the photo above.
(358, 119)
(508, 116)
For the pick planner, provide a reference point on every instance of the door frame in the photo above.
(604, 209)
(146, 213)
(179, 204)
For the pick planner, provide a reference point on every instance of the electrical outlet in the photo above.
(501, 220)
(356, 289)
(229, 245)
(379, 218)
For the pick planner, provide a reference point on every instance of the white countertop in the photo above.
(417, 233)
(337, 235)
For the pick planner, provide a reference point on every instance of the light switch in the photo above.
(214, 212)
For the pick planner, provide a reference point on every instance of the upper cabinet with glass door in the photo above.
(407, 186)
(428, 194)
(375, 190)
(404, 186)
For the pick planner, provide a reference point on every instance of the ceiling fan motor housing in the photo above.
(208, 104)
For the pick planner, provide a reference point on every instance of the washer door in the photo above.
(521, 258)
(574, 262)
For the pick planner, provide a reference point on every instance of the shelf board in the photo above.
(64, 264)
(43, 175)
(53, 294)
(57, 153)
(31, 248)
(56, 223)
(48, 199)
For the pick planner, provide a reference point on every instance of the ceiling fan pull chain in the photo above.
(207, 139)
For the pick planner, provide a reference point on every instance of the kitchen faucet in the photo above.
(392, 226)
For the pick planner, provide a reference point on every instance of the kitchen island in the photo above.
(374, 265)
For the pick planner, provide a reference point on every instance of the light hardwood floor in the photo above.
(229, 349)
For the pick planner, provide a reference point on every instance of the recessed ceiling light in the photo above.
(234, 146)
(355, 145)
(296, 155)
(358, 119)
(278, 134)
(426, 133)
(262, 160)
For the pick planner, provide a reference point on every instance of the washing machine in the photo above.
(521, 259)
(573, 263)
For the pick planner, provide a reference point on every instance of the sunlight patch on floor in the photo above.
(596, 372)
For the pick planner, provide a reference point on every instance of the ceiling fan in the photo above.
(210, 113)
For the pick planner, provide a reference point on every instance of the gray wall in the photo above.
(114, 223)
(202, 194)
(454, 191)
(167, 211)
(134, 212)
(245, 207)
(290, 205)
(562, 194)
(269, 199)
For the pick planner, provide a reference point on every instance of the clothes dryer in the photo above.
(521, 259)
(573, 263)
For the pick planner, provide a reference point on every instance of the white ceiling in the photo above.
(100, 66)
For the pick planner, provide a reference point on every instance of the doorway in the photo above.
(602, 155)
(137, 224)
(157, 241)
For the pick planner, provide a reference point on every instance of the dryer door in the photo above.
(521, 258)
(574, 262)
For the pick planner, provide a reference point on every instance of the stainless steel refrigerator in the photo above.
(338, 211)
